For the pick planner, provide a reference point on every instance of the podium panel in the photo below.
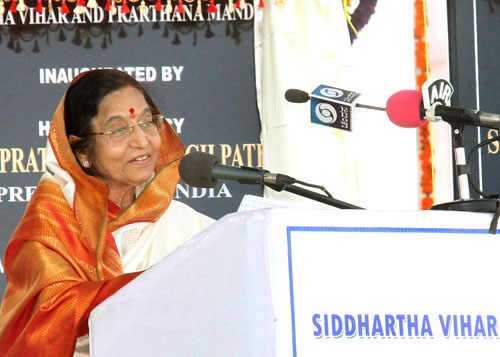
(282, 282)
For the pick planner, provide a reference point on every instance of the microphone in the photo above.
(299, 96)
(199, 169)
(405, 108)
(296, 96)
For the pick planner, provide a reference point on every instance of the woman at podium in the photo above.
(101, 214)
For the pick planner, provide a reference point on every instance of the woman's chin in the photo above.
(142, 175)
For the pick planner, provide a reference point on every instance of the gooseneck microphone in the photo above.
(199, 169)
(405, 108)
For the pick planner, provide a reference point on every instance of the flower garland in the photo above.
(424, 133)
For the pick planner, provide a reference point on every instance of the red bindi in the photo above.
(131, 111)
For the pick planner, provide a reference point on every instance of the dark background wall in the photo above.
(477, 89)
(200, 74)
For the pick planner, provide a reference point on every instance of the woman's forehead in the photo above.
(124, 102)
(122, 117)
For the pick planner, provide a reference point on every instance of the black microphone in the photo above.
(405, 108)
(199, 169)
(296, 96)
(299, 96)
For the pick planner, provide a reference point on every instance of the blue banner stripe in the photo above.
(387, 230)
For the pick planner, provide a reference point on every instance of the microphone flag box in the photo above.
(333, 107)
(436, 90)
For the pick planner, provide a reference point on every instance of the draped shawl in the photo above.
(59, 262)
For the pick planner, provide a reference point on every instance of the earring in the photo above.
(86, 164)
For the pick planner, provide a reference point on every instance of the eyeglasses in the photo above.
(120, 134)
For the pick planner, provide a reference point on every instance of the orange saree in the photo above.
(58, 263)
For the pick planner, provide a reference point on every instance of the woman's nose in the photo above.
(137, 137)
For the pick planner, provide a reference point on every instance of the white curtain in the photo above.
(305, 43)
(302, 44)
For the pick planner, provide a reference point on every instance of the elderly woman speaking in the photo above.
(101, 214)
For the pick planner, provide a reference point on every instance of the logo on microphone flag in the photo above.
(436, 91)
(333, 107)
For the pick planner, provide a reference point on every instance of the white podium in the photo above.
(283, 282)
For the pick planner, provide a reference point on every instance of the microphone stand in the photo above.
(312, 195)
(280, 182)
(465, 203)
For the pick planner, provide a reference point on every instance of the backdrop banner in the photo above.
(474, 50)
(197, 65)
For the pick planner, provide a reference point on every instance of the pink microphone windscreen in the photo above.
(403, 109)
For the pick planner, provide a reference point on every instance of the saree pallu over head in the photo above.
(58, 263)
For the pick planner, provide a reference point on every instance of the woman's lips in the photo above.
(141, 159)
